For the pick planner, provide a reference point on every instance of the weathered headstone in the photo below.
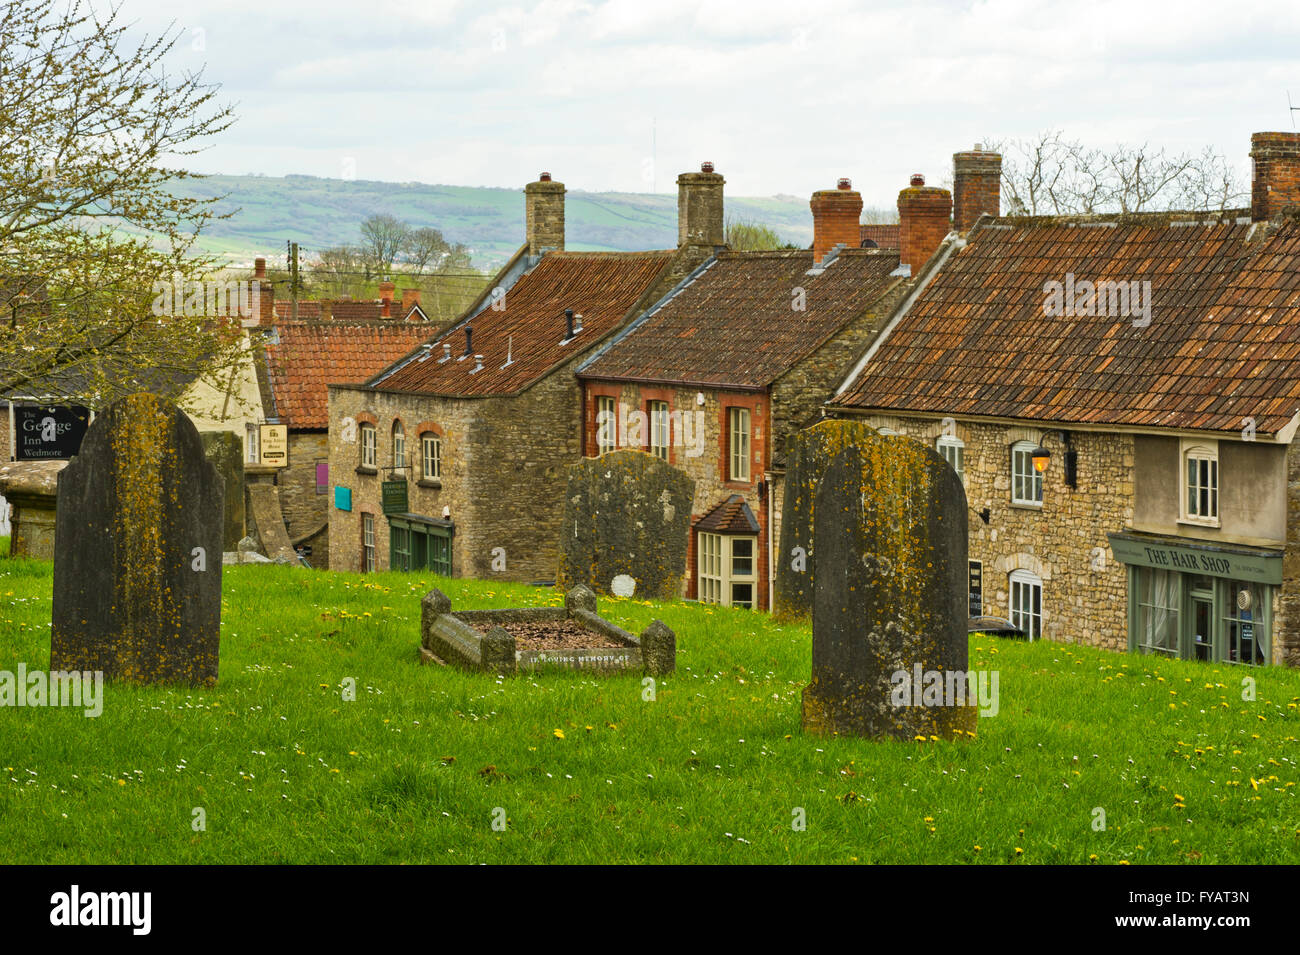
(626, 513)
(808, 455)
(225, 451)
(137, 563)
(889, 604)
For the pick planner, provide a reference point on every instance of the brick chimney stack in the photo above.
(262, 304)
(976, 186)
(1275, 183)
(410, 298)
(699, 208)
(544, 215)
(386, 290)
(923, 222)
(835, 215)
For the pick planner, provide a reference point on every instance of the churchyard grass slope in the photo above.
(584, 768)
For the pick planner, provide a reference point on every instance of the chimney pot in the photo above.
(844, 183)
(259, 268)
(918, 179)
(706, 166)
(544, 177)
(835, 215)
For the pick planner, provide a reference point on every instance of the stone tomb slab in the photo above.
(890, 595)
(137, 563)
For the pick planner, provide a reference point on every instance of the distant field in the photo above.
(319, 213)
(584, 768)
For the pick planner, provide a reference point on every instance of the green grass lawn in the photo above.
(586, 770)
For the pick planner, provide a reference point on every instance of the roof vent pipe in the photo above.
(568, 321)
(469, 342)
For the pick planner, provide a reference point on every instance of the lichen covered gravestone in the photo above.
(890, 596)
(225, 451)
(626, 514)
(808, 455)
(137, 563)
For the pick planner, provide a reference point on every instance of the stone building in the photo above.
(1121, 399)
(715, 377)
(469, 435)
(300, 360)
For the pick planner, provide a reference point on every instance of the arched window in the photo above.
(1027, 602)
(367, 445)
(399, 445)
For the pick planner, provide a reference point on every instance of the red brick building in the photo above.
(715, 378)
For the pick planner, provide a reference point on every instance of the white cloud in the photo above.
(783, 97)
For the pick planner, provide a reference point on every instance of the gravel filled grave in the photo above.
(558, 635)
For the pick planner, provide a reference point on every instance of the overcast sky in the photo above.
(783, 97)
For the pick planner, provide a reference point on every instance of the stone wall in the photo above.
(304, 510)
(1056, 541)
(1286, 603)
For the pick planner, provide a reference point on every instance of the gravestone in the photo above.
(808, 455)
(626, 514)
(890, 596)
(225, 451)
(137, 563)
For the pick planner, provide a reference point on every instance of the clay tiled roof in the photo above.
(312, 355)
(344, 310)
(735, 324)
(600, 286)
(732, 516)
(307, 311)
(885, 236)
(1222, 345)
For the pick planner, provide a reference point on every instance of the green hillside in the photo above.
(319, 213)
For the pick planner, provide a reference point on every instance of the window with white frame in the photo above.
(1027, 602)
(1200, 492)
(953, 450)
(658, 411)
(606, 425)
(399, 445)
(368, 446)
(368, 542)
(252, 433)
(727, 569)
(738, 444)
(1026, 482)
(431, 457)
